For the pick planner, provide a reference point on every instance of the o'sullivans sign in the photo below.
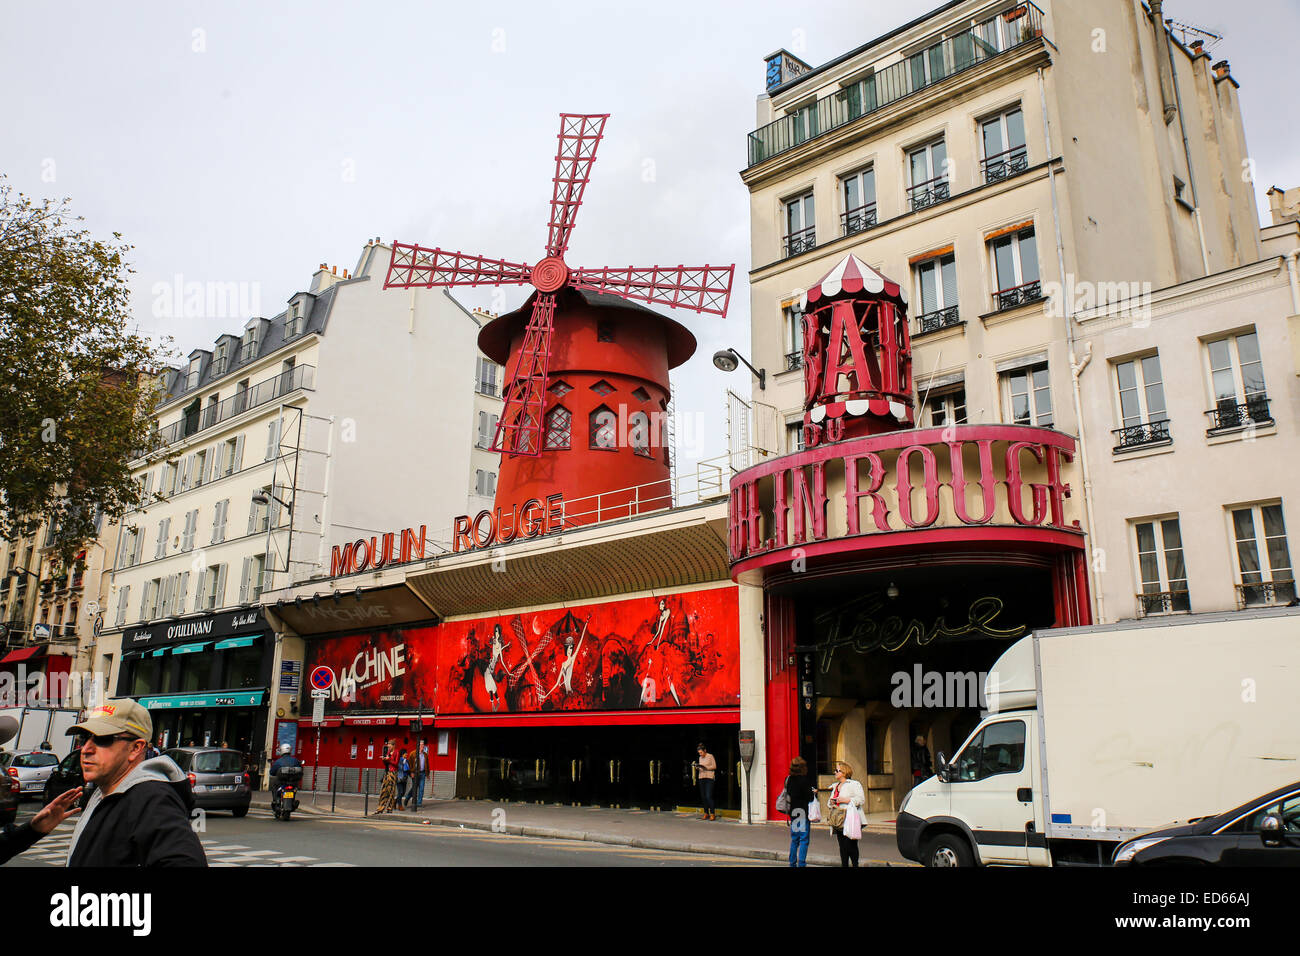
(905, 481)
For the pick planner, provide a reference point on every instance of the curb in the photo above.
(614, 839)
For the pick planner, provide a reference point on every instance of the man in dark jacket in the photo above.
(139, 814)
(14, 840)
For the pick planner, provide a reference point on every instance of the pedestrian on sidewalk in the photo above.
(800, 792)
(846, 797)
(403, 778)
(419, 772)
(388, 789)
(707, 767)
(921, 771)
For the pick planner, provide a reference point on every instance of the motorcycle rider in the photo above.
(284, 761)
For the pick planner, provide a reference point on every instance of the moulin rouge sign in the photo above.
(969, 475)
(485, 530)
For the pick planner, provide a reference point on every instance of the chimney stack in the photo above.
(1221, 69)
(1198, 47)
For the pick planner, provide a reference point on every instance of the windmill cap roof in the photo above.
(495, 337)
(851, 276)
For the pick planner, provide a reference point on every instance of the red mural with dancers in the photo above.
(676, 650)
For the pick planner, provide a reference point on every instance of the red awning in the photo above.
(26, 653)
(852, 276)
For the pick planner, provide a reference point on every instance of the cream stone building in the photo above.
(1009, 165)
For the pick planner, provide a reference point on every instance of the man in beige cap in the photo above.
(139, 814)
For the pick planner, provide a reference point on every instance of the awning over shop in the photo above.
(190, 648)
(158, 653)
(23, 654)
(233, 698)
(238, 642)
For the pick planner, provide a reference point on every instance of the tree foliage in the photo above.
(77, 384)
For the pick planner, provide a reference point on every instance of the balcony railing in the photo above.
(300, 376)
(1004, 165)
(793, 360)
(489, 389)
(929, 192)
(1135, 436)
(1018, 295)
(800, 241)
(986, 40)
(1229, 415)
(857, 220)
(940, 319)
(1263, 593)
(1163, 602)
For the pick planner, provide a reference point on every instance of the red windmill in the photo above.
(703, 289)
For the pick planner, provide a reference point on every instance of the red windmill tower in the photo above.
(581, 333)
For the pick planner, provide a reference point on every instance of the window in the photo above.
(792, 337)
(167, 486)
(1015, 269)
(192, 374)
(1003, 141)
(858, 195)
(123, 596)
(803, 122)
(486, 377)
(1288, 808)
(857, 99)
(251, 580)
(639, 434)
(928, 66)
(1141, 395)
(1027, 394)
(1237, 382)
(232, 456)
(243, 667)
(164, 529)
(149, 599)
(1263, 558)
(559, 427)
(259, 515)
(241, 397)
(928, 172)
(293, 321)
(198, 467)
(997, 749)
(221, 359)
(485, 483)
(936, 291)
(603, 429)
(800, 225)
(191, 527)
(248, 345)
(794, 437)
(944, 408)
(487, 430)
(1162, 572)
(272, 439)
(219, 515)
(211, 593)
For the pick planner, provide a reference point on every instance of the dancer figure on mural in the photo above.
(570, 658)
(489, 675)
(661, 626)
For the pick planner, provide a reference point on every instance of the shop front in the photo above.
(203, 679)
(896, 564)
(594, 704)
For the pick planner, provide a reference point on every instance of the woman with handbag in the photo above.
(846, 798)
(388, 790)
(797, 797)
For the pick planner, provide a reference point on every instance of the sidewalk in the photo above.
(646, 829)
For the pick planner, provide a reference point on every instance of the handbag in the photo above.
(783, 801)
(834, 812)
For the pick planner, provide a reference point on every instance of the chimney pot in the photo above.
(1197, 45)
(334, 270)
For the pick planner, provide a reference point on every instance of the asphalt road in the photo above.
(260, 840)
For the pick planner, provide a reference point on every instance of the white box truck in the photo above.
(1094, 735)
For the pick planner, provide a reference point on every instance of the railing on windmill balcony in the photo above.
(1228, 415)
(801, 241)
(1137, 436)
(1264, 593)
(1163, 602)
(858, 220)
(1004, 165)
(794, 360)
(990, 38)
(1018, 295)
(929, 193)
(936, 320)
(300, 376)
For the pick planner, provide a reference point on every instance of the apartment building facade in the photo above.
(333, 422)
(1006, 165)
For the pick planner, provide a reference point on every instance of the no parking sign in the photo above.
(322, 678)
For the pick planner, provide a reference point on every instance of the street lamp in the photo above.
(264, 498)
(728, 360)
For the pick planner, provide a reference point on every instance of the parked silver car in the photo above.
(219, 779)
(31, 769)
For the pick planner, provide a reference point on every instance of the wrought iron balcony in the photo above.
(1004, 165)
(934, 321)
(300, 376)
(1135, 436)
(1230, 415)
(1262, 593)
(858, 220)
(801, 241)
(487, 388)
(794, 360)
(986, 40)
(1163, 602)
(1018, 295)
(929, 193)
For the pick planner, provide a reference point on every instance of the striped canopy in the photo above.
(850, 277)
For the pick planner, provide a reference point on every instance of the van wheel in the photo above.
(947, 849)
(239, 812)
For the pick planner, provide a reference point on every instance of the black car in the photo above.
(1263, 832)
(10, 794)
(65, 777)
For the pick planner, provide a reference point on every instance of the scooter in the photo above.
(285, 798)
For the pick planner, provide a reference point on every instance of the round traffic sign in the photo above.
(322, 677)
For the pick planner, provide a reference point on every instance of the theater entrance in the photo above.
(643, 767)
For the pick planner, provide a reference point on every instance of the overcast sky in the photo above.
(248, 142)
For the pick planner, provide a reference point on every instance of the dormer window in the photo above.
(293, 322)
(248, 345)
(192, 374)
(221, 359)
